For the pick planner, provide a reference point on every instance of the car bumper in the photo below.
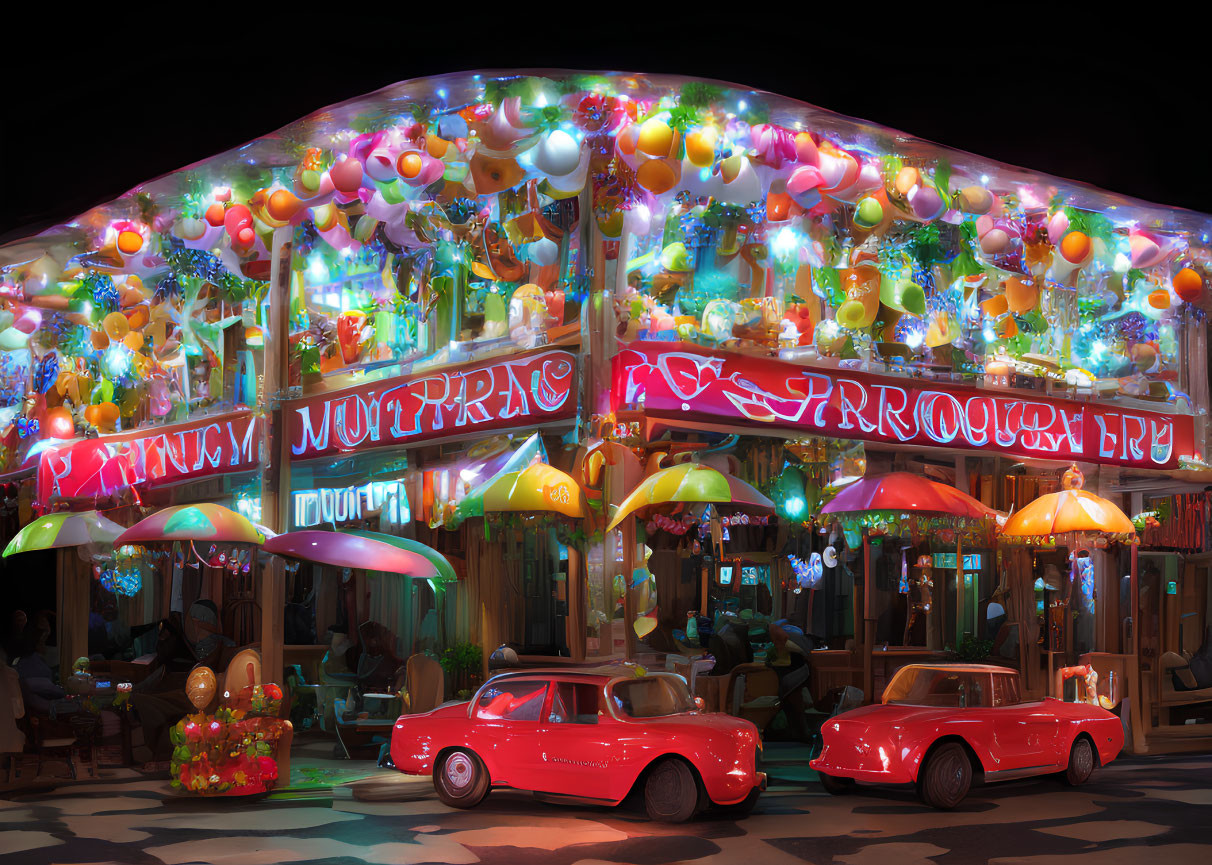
(893, 774)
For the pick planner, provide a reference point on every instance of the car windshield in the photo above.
(926, 686)
(652, 697)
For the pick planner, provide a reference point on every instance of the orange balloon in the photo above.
(1075, 247)
(282, 205)
(658, 175)
(1021, 296)
(1188, 284)
(409, 164)
(129, 242)
(1159, 299)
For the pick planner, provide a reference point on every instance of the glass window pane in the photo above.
(512, 701)
(574, 703)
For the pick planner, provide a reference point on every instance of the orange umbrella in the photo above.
(1071, 511)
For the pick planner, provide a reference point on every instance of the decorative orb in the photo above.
(200, 687)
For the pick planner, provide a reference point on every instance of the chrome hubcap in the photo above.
(458, 771)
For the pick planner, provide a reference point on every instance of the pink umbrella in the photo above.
(359, 551)
(903, 491)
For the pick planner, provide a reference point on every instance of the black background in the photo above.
(91, 108)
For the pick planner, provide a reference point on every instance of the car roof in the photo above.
(963, 668)
(605, 671)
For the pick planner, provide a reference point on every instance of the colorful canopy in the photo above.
(442, 569)
(1070, 511)
(64, 529)
(690, 482)
(203, 522)
(538, 487)
(373, 551)
(905, 492)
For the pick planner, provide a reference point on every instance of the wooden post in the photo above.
(961, 594)
(868, 645)
(275, 455)
(72, 584)
(1136, 717)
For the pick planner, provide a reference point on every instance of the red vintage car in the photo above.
(939, 726)
(585, 735)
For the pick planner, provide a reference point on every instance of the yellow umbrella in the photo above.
(538, 487)
(690, 482)
(1070, 511)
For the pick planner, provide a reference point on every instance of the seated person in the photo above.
(38, 688)
(335, 664)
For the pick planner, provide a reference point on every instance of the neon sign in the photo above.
(338, 505)
(98, 468)
(684, 382)
(487, 396)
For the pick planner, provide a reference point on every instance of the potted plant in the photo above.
(462, 662)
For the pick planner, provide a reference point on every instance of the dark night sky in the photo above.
(90, 113)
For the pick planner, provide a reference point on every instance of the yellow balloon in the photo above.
(116, 326)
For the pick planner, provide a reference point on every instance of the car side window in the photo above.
(512, 701)
(574, 703)
(1005, 690)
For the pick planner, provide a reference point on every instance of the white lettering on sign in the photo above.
(493, 395)
(688, 384)
(313, 507)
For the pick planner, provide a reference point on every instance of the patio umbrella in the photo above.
(373, 551)
(905, 492)
(881, 498)
(64, 529)
(203, 522)
(538, 487)
(690, 482)
(1072, 511)
(1071, 516)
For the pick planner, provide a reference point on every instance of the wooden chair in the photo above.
(57, 740)
(425, 683)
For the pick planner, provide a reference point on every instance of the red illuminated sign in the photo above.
(684, 382)
(488, 396)
(97, 468)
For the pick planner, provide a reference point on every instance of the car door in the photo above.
(580, 742)
(1023, 733)
(506, 722)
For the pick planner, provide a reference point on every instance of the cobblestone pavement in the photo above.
(1149, 810)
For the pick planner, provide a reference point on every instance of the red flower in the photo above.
(273, 691)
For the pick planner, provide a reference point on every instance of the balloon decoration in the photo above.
(443, 219)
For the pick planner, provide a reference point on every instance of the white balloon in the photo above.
(557, 154)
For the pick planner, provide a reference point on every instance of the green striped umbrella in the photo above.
(64, 529)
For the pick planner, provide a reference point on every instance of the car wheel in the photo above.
(1081, 763)
(671, 794)
(461, 780)
(834, 785)
(944, 780)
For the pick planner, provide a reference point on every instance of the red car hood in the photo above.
(447, 710)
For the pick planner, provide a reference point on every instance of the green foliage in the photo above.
(971, 650)
(1093, 225)
(462, 658)
(699, 94)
